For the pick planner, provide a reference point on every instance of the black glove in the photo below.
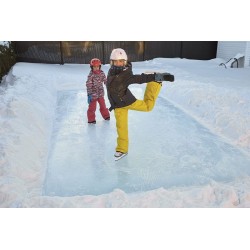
(159, 77)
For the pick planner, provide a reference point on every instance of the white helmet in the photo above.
(118, 54)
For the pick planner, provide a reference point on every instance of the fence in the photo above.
(82, 52)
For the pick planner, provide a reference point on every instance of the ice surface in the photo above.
(172, 150)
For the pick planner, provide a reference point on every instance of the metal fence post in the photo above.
(61, 51)
(103, 57)
(181, 52)
(143, 55)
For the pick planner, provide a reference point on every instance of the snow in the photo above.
(192, 150)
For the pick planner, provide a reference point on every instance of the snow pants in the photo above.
(121, 114)
(92, 108)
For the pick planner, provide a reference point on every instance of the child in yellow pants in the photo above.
(121, 114)
(120, 76)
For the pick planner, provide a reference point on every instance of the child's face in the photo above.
(95, 68)
(119, 63)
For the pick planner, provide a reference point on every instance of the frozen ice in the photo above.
(168, 148)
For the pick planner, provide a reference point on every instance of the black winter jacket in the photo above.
(117, 86)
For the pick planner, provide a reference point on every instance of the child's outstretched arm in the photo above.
(158, 77)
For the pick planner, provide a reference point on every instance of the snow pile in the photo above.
(26, 111)
(219, 100)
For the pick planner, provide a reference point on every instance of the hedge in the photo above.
(7, 58)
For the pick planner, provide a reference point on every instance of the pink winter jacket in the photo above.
(95, 82)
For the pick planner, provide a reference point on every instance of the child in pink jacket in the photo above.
(95, 91)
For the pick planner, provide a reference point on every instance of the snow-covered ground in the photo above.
(192, 150)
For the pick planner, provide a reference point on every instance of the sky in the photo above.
(178, 21)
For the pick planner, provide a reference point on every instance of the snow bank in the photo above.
(212, 195)
(218, 99)
(26, 119)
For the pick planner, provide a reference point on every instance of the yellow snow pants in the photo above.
(121, 114)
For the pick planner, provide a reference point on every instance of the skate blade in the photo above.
(120, 157)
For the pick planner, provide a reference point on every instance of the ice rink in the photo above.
(169, 151)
